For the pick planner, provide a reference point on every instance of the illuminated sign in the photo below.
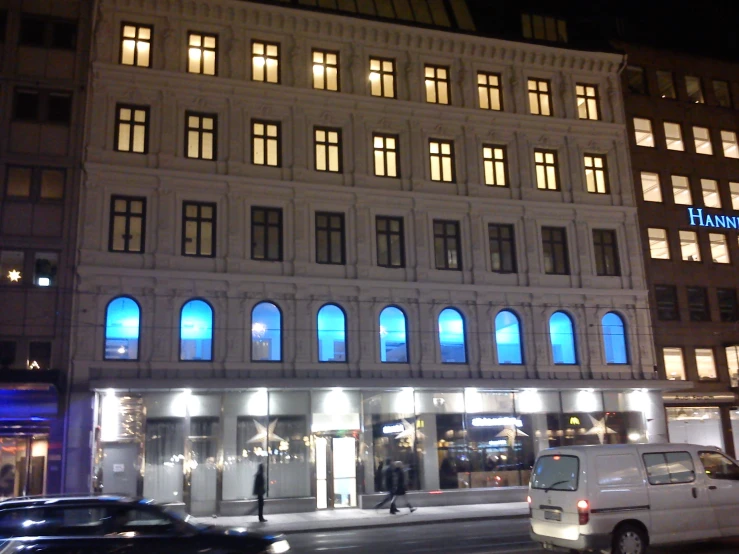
(699, 219)
(393, 429)
(574, 420)
(496, 421)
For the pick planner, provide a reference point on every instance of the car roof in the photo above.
(635, 447)
(71, 500)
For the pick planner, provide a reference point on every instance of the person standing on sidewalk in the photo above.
(259, 491)
(388, 477)
(399, 488)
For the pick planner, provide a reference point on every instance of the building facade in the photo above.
(43, 61)
(318, 241)
(683, 134)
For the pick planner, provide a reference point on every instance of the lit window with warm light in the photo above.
(659, 249)
(488, 91)
(702, 138)
(202, 53)
(674, 364)
(11, 267)
(132, 128)
(540, 97)
(325, 70)
(441, 156)
(382, 77)
(327, 142)
(689, 248)
(674, 136)
(729, 144)
(719, 248)
(436, 82)
(596, 174)
(705, 363)
(385, 148)
(587, 102)
(734, 192)
(265, 139)
(265, 62)
(650, 187)
(545, 162)
(694, 89)
(201, 136)
(643, 132)
(494, 165)
(711, 197)
(681, 190)
(136, 45)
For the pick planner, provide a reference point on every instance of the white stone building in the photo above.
(296, 173)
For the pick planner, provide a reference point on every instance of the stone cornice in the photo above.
(324, 26)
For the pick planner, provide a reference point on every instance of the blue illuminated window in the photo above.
(393, 328)
(266, 333)
(451, 337)
(614, 339)
(508, 338)
(331, 334)
(122, 329)
(196, 331)
(562, 336)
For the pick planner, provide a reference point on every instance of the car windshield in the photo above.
(556, 473)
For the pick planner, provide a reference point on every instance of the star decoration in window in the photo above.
(14, 275)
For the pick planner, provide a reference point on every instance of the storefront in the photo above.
(708, 418)
(201, 450)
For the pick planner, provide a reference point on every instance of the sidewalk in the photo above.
(352, 518)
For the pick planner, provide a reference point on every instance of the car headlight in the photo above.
(278, 547)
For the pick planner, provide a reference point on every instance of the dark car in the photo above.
(114, 524)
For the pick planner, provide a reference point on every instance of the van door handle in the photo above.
(712, 487)
(695, 492)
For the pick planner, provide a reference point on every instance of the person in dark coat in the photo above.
(387, 477)
(399, 490)
(259, 490)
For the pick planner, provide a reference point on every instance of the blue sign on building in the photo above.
(699, 219)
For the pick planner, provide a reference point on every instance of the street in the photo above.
(473, 537)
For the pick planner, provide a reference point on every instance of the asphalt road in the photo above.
(469, 537)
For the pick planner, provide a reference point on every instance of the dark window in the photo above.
(447, 247)
(665, 297)
(636, 81)
(327, 149)
(554, 242)
(127, 224)
(698, 304)
(722, 91)
(42, 106)
(266, 234)
(330, 238)
(543, 27)
(202, 136)
(39, 355)
(666, 84)
(390, 247)
(7, 353)
(47, 33)
(3, 24)
(727, 305)
(59, 107)
(198, 229)
(606, 252)
(26, 105)
(718, 466)
(34, 183)
(132, 128)
(502, 248)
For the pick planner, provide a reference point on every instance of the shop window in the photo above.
(12, 267)
(596, 174)
(45, 267)
(689, 248)
(711, 198)
(659, 248)
(441, 156)
(382, 77)
(386, 155)
(489, 91)
(266, 333)
(702, 137)
(650, 187)
(728, 306)
(681, 190)
(122, 329)
(265, 62)
(719, 248)
(665, 297)
(508, 341)
(390, 247)
(722, 91)
(331, 334)
(452, 337)
(202, 53)
(325, 70)
(437, 84)
(265, 143)
(198, 229)
(705, 363)
(39, 355)
(132, 128)
(266, 234)
(164, 447)
(393, 336)
(587, 101)
(327, 142)
(127, 224)
(674, 363)
(562, 338)
(540, 97)
(547, 169)
(196, 331)
(643, 134)
(674, 136)
(202, 136)
(136, 45)
(698, 304)
(494, 165)
(636, 79)
(614, 339)
(694, 89)
(666, 84)
(729, 144)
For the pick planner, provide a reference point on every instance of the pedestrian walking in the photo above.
(388, 476)
(259, 491)
(399, 490)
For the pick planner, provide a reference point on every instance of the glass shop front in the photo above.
(202, 450)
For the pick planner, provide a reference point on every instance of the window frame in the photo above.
(445, 238)
(212, 330)
(266, 139)
(596, 171)
(105, 330)
(501, 241)
(266, 210)
(493, 163)
(326, 65)
(545, 168)
(384, 153)
(137, 27)
(587, 100)
(328, 146)
(265, 44)
(201, 133)
(346, 336)
(538, 94)
(386, 236)
(489, 90)
(440, 157)
(658, 187)
(602, 250)
(666, 238)
(329, 230)
(439, 84)
(202, 48)
(551, 243)
(199, 221)
(382, 74)
(128, 216)
(119, 122)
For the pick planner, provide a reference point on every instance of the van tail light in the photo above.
(528, 499)
(583, 512)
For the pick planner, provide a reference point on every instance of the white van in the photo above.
(622, 498)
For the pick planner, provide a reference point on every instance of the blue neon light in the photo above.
(698, 219)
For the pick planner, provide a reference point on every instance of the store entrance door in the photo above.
(22, 466)
(336, 471)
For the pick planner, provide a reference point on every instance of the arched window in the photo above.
(266, 333)
(196, 331)
(122, 329)
(614, 339)
(508, 338)
(451, 337)
(562, 337)
(393, 343)
(331, 334)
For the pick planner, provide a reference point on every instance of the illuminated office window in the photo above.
(719, 248)
(596, 174)
(327, 142)
(659, 249)
(729, 144)
(136, 45)
(265, 62)
(494, 165)
(650, 187)
(674, 363)
(689, 248)
(437, 84)
(674, 136)
(702, 138)
(540, 97)
(202, 53)
(489, 92)
(441, 156)
(711, 198)
(382, 77)
(325, 70)
(587, 102)
(385, 149)
(681, 190)
(547, 169)
(643, 132)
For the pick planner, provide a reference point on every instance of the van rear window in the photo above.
(556, 473)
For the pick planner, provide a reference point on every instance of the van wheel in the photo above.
(629, 539)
